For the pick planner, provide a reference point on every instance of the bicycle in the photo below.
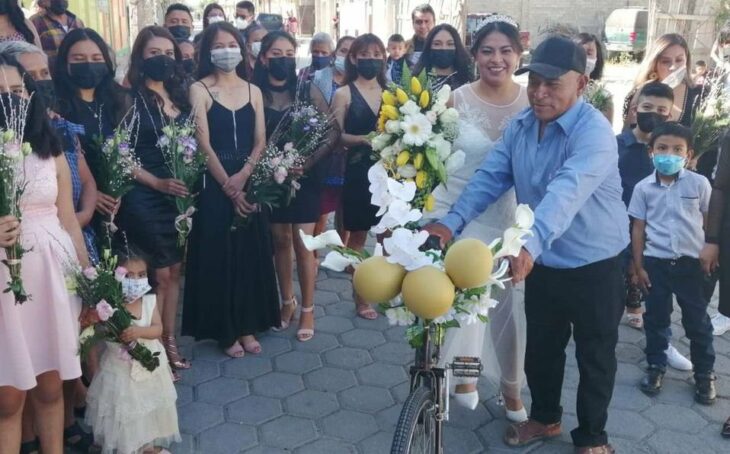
(420, 425)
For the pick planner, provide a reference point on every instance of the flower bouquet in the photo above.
(712, 116)
(413, 145)
(187, 164)
(596, 95)
(117, 162)
(105, 316)
(275, 177)
(12, 185)
(13, 152)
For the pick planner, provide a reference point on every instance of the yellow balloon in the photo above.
(378, 281)
(428, 292)
(468, 263)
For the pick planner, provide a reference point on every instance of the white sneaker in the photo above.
(720, 324)
(676, 359)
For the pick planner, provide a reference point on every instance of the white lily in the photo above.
(398, 214)
(513, 242)
(321, 241)
(524, 217)
(336, 261)
(402, 247)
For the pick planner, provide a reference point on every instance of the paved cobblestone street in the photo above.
(342, 392)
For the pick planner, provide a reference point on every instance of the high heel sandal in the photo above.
(173, 356)
(306, 334)
(285, 323)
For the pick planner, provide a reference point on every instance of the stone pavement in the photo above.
(342, 392)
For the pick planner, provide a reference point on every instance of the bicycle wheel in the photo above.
(415, 432)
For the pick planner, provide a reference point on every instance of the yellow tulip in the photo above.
(401, 96)
(390, 112)
(381, 123)
(416, 88)
(425, 98)
(421, 179)
(402, 158)
(418, 161)
(388, 98)
(430, 202)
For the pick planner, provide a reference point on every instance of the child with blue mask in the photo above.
(669, 208)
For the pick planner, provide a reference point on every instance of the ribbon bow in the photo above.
(184, 222)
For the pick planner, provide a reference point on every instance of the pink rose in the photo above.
(120, 273)
(90, 273)
(104, 310)
(280, 175)
(275, 161)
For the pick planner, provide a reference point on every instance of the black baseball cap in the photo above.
(556, 56)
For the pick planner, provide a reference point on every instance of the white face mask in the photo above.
(255, 49)
(214, 19)
(676, 78)
(226, 59)
(133, 289)
(340, 64)
(590, 65)
(242, 24)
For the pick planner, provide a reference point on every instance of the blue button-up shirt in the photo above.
(634, 163)
(570, 180)
(674, 214)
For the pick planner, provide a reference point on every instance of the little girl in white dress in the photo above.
(130, 409)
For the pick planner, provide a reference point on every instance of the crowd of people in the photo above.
(622, 223)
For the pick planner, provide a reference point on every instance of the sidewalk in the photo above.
(342, 393)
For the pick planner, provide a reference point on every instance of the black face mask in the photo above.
(47, 92)
(647, 121)
(180, 32)
(282, 68)
(443, 58)
(58, 7)
(369, 68)
(159, 68)
(188, 65)
(87, 75)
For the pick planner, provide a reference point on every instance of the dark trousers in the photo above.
(591, 299)
(684, 278)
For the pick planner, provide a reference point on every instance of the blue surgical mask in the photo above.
(340, 64)
(668, 164)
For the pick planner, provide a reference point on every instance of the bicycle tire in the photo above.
(415, 412)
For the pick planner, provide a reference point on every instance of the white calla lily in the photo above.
(336, 261)
(524, 217)
(321, 241)
(497, 278)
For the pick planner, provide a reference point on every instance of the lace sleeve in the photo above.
(720, 187)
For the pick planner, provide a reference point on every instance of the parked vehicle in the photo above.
(626, 31)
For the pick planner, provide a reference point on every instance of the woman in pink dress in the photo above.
(38, 339)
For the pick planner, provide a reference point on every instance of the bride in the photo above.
(485, 108)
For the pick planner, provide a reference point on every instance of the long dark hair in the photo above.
(38, 131)
(113, 96)
(205, 66)
(261, 72)
(17, 18)
(462, 63)
(505, 28)
(585, 38)
(176, 86)
(208, 9)
(360, 43)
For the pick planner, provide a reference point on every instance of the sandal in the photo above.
(176, 377)
(30, 447)
(74, 437)
(368, 313)
(635, 321)
(305, 334)
(285, 323)
(235, 350)
(253, 347)
(726, 429)
(530, 431)
(173, 356)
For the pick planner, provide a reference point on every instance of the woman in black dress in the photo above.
(356, 106)
(148, 211)
(88, 96)
(230, 285)
(445, 59)
(275, 74)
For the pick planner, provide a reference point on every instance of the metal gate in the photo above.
(695, 20)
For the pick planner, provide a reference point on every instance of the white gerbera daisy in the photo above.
(416, 129)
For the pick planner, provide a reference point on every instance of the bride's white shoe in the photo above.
(468, 400)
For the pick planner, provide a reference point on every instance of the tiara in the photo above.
(498, 18)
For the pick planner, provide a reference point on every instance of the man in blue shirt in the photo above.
(560, 156)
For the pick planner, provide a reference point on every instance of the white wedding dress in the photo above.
(500, 343)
